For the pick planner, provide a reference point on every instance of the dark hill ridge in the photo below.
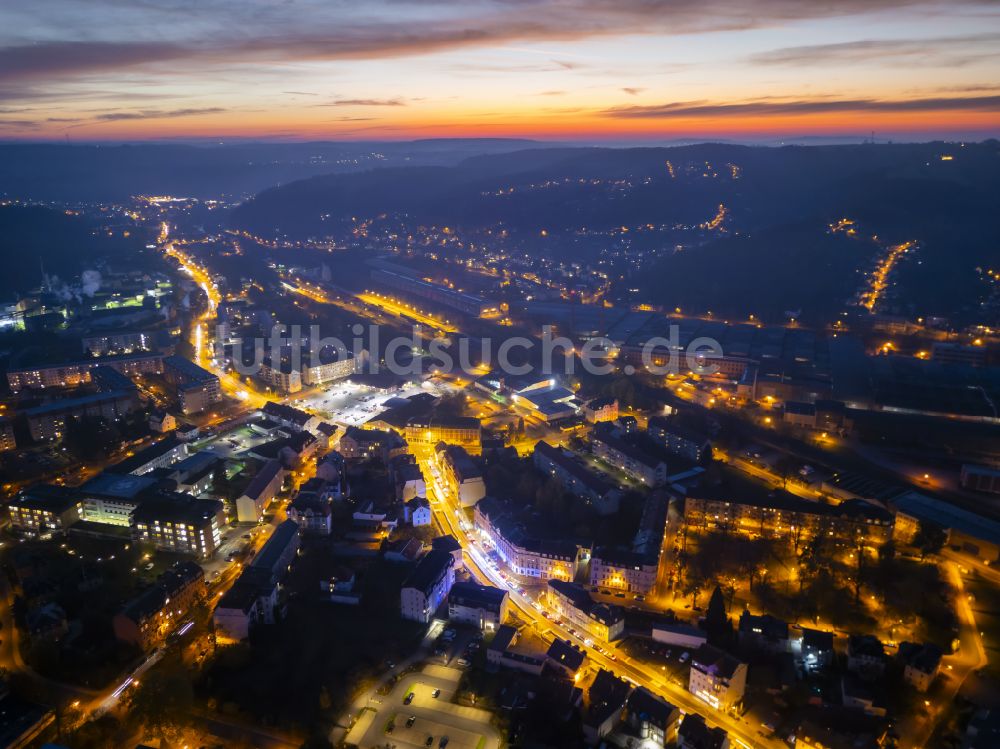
(779, 203)
(77, 173)
(774, 184)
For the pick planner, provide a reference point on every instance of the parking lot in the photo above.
(410, 715)
(348, 404)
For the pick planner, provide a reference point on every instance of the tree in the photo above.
(162, 701)
(716, 619)
(930, 538)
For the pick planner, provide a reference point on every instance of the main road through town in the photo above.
(447, 516)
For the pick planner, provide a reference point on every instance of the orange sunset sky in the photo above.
(641, 70)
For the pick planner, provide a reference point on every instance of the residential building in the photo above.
(694, 733)
(245, 605)
(464, 431)
(7, 439)
(606, 697)
(781, 514)
(764, 632)
(255, 598)
(162, 421)
(624, 569)
(679, 439)
(45, 509)
(523, 554)
(363, 444)
(290, 417)
(180, 523)
(857, 694)
(461, 474)
(566, 656)
(603, 621)
(630, 459)
(576, 478)
(427, 586)
(326, 433)
(921, 663)
(600, 410)
(865, 656)
(482, 606)
(275, 557)
(259, 492)
(197, 388)
(118, 342)
(149, 617)
(312, 512)
(816, 649)
(48, 422)
(161, 454)
(450, 545)
(417, 512)
(653, 718)
(409, 480)
(717, 677)
(72, 374)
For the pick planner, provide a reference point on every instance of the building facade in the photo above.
(427, 587)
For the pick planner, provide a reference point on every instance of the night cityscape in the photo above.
(488, 375)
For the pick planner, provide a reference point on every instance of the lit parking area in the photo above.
(418, 710)
(350, 404)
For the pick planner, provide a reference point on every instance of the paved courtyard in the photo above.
(437, 719)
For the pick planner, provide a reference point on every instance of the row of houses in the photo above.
(255, 598)
(576, 478)
(524, 554)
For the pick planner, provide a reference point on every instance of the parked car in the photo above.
(436, 693)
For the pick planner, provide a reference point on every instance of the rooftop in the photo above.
(566, 654)
(264, 477)
(709, 659)
(188, 369)
(477, 596)
(283, 412)
(271, 552)
(177, 508)
(948, 516)
(118, 486)
(431, 568)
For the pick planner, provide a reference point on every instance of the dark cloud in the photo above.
(57, 58)
(955, 50)
(156, 114)
(201, 34)
(396, 102)
(632, 90)
(806, 106)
